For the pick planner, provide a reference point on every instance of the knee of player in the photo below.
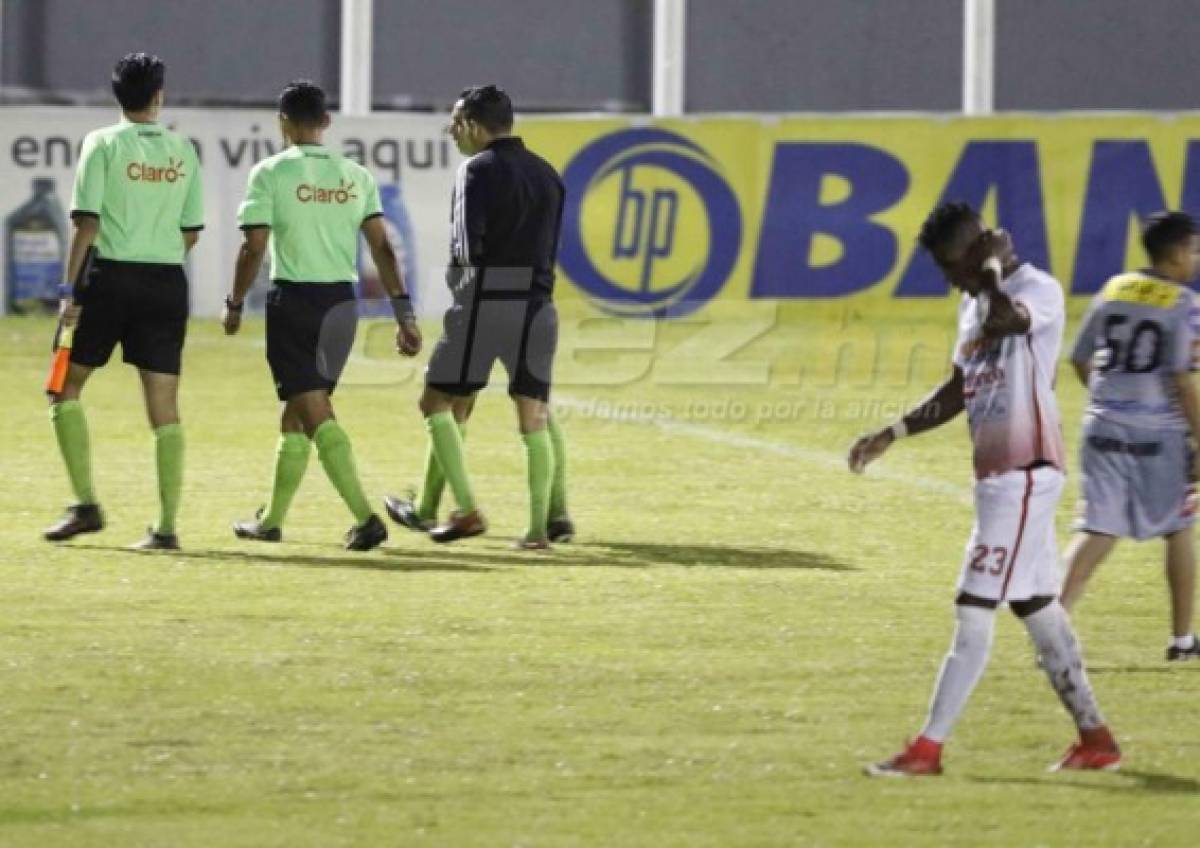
(290, 421)
(162, 410)
(314, 418)
(431, 403)
(463, 409)
(311, 423)
(163, 418)
(72, 389)
(975, 627)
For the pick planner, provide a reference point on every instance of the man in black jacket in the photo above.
(506, 211)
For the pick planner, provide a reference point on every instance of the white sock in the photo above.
(961, 669)
(1055, 641)
(1184, 643)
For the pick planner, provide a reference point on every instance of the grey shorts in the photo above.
(1134, 483)
(522, 334)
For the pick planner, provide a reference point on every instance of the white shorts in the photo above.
(1013, 552)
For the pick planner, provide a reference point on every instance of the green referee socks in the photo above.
(539, 461)
(446, 442)
(168, 457)
(435, 481)
(291, 461)
(558, 487)
(333, 449)
(70, 428)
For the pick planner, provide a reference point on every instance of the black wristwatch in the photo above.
(233, 307)
(402, 308)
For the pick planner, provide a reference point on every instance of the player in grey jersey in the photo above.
(1135, 352)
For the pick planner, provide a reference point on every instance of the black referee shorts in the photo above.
(141, 305)
(521, 333)
(310, 332)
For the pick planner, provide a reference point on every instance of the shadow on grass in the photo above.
(1135, 669)
(493, 555)
(642, 554)
(66, 815)
(379, 560)
(1125, 780)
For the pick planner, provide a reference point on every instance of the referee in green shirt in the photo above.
(308, 204)
(137, 198)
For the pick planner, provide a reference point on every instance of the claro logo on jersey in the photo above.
(650, 227)
(143, 172)
(343, 192)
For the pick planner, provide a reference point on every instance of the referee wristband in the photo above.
(899, 429)
(231, 306)
(402, 308)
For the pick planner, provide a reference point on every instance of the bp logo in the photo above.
(650, 228)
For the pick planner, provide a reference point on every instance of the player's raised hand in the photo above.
(408, 338)
(869, 448)
(991, 253)
(1002, 244)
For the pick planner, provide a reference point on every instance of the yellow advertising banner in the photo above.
(663, 218)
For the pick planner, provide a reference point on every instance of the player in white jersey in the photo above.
(1010, 325)
(1135, 352)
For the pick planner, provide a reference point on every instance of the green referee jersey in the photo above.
(314, 201)
(143, 182)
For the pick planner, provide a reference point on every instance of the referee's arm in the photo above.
(375, 233)
(245, 271)
(470, 219)
(87, 197)
(254, 215)
(384, 257)
(86, 229)
(408, 336)
(191, 220)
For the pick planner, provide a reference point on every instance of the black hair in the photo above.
(488, 106)
(943, 225)
(303, 102)
(136, 78)
(1164, 231)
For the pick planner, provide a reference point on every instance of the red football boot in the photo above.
(920, 757)
(1096, 750)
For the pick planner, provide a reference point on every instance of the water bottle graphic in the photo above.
(371, 294)
(35, 244)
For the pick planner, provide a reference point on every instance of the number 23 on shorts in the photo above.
(989, 560)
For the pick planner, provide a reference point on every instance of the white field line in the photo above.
(829, 460)
(825, 459)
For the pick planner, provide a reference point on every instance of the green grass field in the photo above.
(740, 626)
